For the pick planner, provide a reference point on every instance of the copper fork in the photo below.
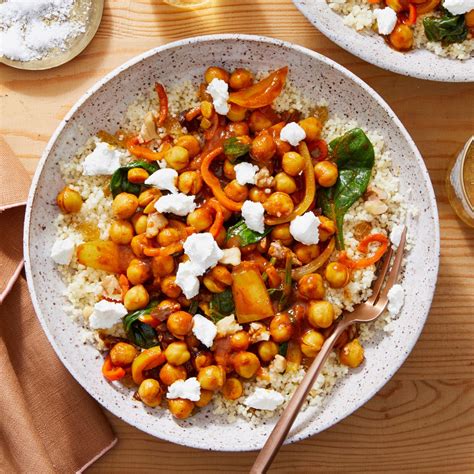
(363, 313)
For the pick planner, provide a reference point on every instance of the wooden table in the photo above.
(423, 419)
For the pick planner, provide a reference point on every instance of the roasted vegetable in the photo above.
(101, 255)
(120, 183)
(146, 360)
(245, 235)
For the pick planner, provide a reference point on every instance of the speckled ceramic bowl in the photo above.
(104, 105)
(419, 63)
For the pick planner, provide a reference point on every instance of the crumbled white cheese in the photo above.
(227, 326)
(62, 251)
(245, 173)
(203, 250)
(386, 20)
(278, 364)
(164, 179)
(187, 280)
(396, 234)
(189, 389)
(178, 204)
(219, 91)
(258, 332)
(264, 399)
(458, 7)
(104, 160)
(396, 298)
(305, 228)
(252, 213)
(292, 133)
(204, 329)
(162, 163)
(231, 256)
(106, 314)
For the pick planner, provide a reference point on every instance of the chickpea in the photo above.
(292, 163)
(311, 286)
(258, 195)
(121, 232)
(228, 169)
(177, 353)
(136, 298)
(190, 182)
(203, 359)
(282, 232)
(327, 228)
(337, 275)
(238, 129)
(191, 143)
(169, 287)
(180, 323)
(396, 5)
(168, 236)
(232, 389)
(240, 341)
(215, 72)
(311, 343)
(306, 253)
(282, 147)
(138, 272)
(177, 157)
(279, 204)
(138, 244)
(267, 350)
(200, 219)
(150, 392)
(139, 222)
(147, 196)
(220, 272)
(246, 364)
(281, 328)
(320, 314)
(69, 201)
(124, 205)
(236, 113)
(326, 173)
(122, 354)
(205, 398)
(211, 377)
(214, 286)
(312, 127)
(352, 354)
(401, 38)
(236, 191)
(241, 79)
(162, 265)
(137, 175)
(285, 183)
(180, 408)
(469, 18)
(258, 121)
(170, 373)
(263, 147)
(207, 109)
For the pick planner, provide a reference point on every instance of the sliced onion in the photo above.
(317, 263)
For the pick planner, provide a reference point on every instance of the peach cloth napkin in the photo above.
(48, 423)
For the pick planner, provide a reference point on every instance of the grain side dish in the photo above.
(444, 27)
(211, 243)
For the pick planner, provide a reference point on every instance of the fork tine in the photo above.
(380, 277)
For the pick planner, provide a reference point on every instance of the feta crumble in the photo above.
(396, 234)
(106, 314)
(164, 179)
(264, 399)
(204, 329)
(227, 326)
(189, 389)
(219, 91)
(187, 280)
(245, 173)
(104, 160)
(304, 228)
(292, 133)
(252, 213)
(178, 204)
(62, 251)
(231, 256)
(386, 20)
(458, 7)
(396, 298)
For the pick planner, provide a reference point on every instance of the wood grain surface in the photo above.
(423, 419)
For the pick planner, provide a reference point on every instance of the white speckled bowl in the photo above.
(419, 63)
(103, 106)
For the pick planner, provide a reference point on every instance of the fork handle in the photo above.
(281, 429)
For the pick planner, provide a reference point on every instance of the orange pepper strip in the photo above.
(170, 249)
(211, 180)
(192, 113)
(273, 278)
(364, 247)
(412, 14)
(374, 1)
(320, 145)
(160, 90)
(110, 372)
(146, 360)
(143, 151)
(218, 220)
(124, 284)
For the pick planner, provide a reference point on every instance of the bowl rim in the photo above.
(313, 429)
(439, 72)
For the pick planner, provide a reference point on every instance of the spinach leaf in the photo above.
(139, 333)
(221, 305)
(283, 349)
(120, 183)
(234, 148)
(246, 236)
(354, 155)
(447, 29)
(193, 307)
